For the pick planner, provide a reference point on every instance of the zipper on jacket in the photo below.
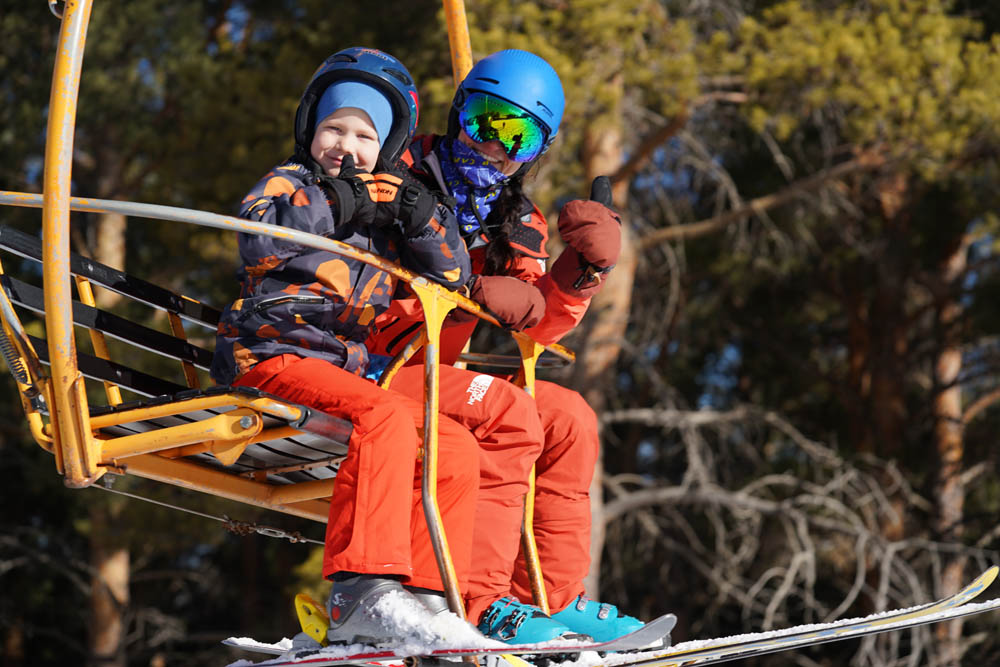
(399, 338)
(279, 301)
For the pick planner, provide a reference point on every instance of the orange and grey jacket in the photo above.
(397, 325)
(315, 303)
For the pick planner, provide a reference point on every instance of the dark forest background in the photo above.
(795, 363)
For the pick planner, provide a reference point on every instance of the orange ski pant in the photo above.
(563, 474)
(557, 434)
(376, 523)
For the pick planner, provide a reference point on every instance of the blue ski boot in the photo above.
(514, 622)
(601, 621)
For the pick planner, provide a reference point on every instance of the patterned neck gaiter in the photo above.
(474, 183)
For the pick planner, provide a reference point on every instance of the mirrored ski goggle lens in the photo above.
(486, 118)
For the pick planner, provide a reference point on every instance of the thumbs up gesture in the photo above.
(592, 232)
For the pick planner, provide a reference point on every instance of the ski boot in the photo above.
(514, 622)
(601, 621)
(357, 617)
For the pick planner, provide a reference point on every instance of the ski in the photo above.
(714, 652)
(648, 634)
(700, 653)
(764, 643)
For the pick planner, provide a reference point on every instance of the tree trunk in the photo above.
(858, 371)
(949, 492)
(110, 557)
(608, 315)
(110, 249)
(13, 644)
(109, 592)
(877, 358)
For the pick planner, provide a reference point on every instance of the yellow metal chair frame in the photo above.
(84, 453)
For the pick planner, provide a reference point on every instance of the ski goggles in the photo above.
(487, 118)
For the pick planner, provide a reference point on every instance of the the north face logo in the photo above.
(477, 388)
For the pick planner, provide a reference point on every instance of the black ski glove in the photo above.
(403, 201)
(352, 193)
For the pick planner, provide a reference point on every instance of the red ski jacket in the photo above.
(402, 320)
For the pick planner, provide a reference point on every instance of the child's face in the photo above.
(494, 152)
(345, 131)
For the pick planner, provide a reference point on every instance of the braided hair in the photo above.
(504, 214)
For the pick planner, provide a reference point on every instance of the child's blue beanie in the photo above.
(350, 93)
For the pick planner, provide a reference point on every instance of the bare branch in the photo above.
(829, 512)
(761, 204)
(646, 148)
(980, 405)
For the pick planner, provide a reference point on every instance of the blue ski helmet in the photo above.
(519, 77)
(377, 69)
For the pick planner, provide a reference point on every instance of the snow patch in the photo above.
(251, 644)
(402, 616)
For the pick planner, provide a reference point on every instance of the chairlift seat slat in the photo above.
(30, 247)
(308, 447)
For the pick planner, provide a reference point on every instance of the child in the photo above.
(505, 114)
(298, 331)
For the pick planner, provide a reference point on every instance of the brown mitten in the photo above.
(516, 304)
(593, 237)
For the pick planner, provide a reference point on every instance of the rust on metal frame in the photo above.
(70, 415)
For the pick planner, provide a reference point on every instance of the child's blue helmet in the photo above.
(518, 77)
(377, 69)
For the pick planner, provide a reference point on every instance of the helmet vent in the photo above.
(488, 80)
(398, 75)
(545, 108)
(343, 58)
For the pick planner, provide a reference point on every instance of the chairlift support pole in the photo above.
(71, 418)
(530, 351)
(461, 63)
(435, 311)
(458, 39)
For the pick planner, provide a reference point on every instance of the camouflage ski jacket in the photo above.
(315, 303)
